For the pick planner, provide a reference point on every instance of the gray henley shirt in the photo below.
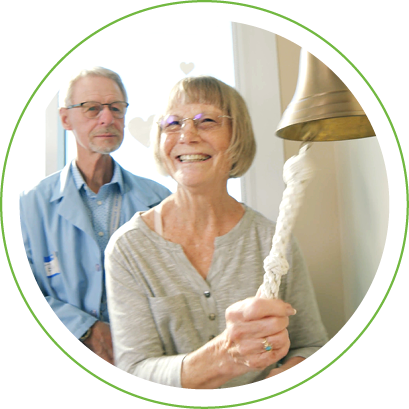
(161, 308)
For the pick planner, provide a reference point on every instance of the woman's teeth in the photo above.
(193, 158)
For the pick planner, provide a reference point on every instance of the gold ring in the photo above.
(267, 345)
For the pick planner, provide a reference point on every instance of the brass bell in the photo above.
(322, 108)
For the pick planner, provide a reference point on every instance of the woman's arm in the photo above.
(138, 348)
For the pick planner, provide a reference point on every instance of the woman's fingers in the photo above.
(237, 331)
(255, 308)
(261, 345)
(260, 353)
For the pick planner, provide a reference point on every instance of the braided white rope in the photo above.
(297, 172)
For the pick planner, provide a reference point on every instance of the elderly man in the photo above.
(68, 218)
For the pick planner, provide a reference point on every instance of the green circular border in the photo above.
(236, 4)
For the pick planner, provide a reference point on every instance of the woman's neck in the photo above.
(215, 213)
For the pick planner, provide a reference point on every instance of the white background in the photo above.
(373, 373)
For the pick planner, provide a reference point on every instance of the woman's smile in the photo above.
(193, 158)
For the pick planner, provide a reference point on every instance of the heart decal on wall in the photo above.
(186, 68)
(141, 129)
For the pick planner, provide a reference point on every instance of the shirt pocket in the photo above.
(175, 318)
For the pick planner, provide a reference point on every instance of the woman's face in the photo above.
(197, 157)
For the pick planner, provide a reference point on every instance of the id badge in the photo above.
(51, 265)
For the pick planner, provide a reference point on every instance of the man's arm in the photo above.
(98, 339)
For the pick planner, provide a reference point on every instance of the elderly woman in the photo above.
(182, 277)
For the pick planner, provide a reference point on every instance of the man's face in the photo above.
(103, 134)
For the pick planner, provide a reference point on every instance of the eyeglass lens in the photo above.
(93, 109)
(203, 121)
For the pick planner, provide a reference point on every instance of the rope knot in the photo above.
(276, 264)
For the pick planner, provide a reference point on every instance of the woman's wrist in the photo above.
(210, 366)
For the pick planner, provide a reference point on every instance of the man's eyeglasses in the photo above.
(203, 122)
(92, 109)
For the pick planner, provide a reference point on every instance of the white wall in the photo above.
(54, 139)
(257, 80)
(363, 212)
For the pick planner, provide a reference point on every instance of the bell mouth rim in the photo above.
(338, 128)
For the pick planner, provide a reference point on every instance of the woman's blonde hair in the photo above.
(210, 90)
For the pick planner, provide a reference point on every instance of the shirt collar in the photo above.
(80, 182)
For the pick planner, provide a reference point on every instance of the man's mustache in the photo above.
(107, 130)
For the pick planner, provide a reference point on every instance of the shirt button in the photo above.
(101, 233)
(207, 294)
(211, 337)
(94, 313)
(212, 317)
(99, 203)
(97, 267)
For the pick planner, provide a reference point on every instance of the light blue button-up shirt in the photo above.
(99, 208)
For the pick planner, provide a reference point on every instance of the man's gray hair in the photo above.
(91, 72)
